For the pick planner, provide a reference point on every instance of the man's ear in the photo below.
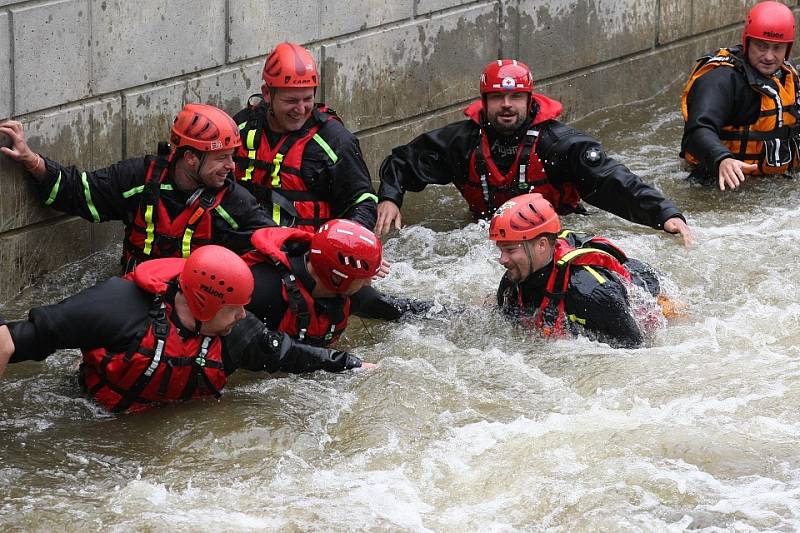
(190, 158)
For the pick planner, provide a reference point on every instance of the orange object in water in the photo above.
(672, 308)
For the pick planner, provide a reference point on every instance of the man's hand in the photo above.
(678, 226)
(19, 150)
(6, 347)
(388, 214)
(732, 171)
(383, 271)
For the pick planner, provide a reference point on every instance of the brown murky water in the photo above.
(466, 424)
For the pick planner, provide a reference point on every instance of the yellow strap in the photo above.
(186, 245)
(276, 169)
(149, 230)
(276, 213)
(250, 140)
(579, 320)
(600, 279)
(569, 256)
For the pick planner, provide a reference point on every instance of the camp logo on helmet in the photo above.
(212, 292)
(216, 145)
(508, 83)
(508, 205)
(773, 34)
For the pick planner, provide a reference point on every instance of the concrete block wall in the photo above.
(96, 81)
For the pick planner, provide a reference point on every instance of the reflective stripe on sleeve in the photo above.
(54, 191)
(88, 195)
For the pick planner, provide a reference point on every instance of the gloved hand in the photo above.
(290, 355)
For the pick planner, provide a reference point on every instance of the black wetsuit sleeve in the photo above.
(437, 157)
(111, 314)
(346, 180)
(573, 156)
(604, 308)
(240, 216)
(253, 347)
(97, 195)
(720, 97)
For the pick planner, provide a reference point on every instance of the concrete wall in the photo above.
(95, 81)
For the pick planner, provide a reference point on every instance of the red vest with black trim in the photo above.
(163, 366)
(272, 173)
(486, 188)
(153, 234)
(302, 320)
(594, 252)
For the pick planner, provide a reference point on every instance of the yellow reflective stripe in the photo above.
(325, 146)
(578, 252)
(564, 234)
(131, 192)
(579, 320)
(54, 191)
(595, 273)
(276, 169)
(250, 142)
(149, 230)
(226, 217)
(186, 245)
(366, 196)
(87, 194)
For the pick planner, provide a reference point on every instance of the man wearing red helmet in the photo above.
(304, 282)
(512, 143)
(558, 281)
(296, 156)
(171, 203)
(170, 330)
(740, 104)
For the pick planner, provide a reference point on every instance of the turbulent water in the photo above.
(466, 424)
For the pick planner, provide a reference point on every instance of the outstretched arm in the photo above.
(252, 346)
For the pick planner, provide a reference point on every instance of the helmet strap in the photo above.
(530, 257)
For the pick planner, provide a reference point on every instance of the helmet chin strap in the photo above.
(195, 176)
(530, 258)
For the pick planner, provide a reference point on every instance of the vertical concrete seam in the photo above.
(501, 18)
(322, 69)
(123, 109)
(12, 85)
(657, 41)
(92, 122)
(227, 32)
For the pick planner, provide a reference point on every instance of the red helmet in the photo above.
(205, 128)
(289, 65)
(769, 21)
(506, 75)
(343, 251)
(524, 218)
(213, 277)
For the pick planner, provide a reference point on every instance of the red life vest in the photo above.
(302, 320)
(594, 252)
(163, 366)
(153, 235)
(486, 188)
(272, 173)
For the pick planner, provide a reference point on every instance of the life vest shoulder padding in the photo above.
(152, 276)
(269, 241)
